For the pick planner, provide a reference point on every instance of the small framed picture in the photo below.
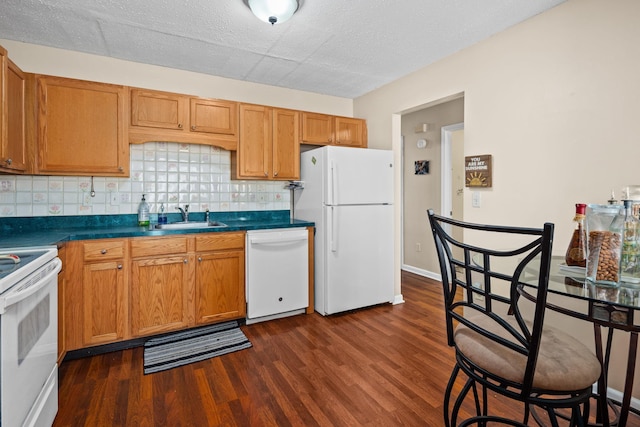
(422, 167)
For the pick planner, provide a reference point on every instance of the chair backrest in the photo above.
(483, 280)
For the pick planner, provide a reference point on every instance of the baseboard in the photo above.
(398, 299)
(421, 272)
(617, 396)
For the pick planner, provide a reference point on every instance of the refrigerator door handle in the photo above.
(334, 231)
(332, 184)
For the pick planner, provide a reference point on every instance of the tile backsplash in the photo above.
(170, 173)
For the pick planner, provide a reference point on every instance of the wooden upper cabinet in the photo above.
(81, 128)
(317, 128)
(13, 144)
(158, 109)
(350, 132)
(171, 117)
(323, 129)
(286, 144)
(269, 146)
(214, 116)
(254, 149)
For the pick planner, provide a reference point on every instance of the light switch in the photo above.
(475, 199)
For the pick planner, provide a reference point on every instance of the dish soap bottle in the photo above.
(577, 250)
(143, 213)
(162, 217)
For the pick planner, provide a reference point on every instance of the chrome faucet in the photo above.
(184, 212)
(206, 215)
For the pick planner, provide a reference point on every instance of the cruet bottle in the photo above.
(630, 252)
(577, 250)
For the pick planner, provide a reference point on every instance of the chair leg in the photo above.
(553, 418)
(463, 394)
(447, 394)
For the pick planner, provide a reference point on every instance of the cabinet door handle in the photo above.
(186, 260)
(193, 127)
(104, 251)
(8, 162)
(266, 174)
(119, 266)
(179, 125)
(275, 174)
(199, 259)
(120, 169)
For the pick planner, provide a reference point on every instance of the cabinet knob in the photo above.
(179, 125)
(104, 251)
(193, 127)
(8, 162)
(275, 174)
(199, 259)
(119, 266)
(186, 260)
(266, 174)
(120, 168)
(329, 139)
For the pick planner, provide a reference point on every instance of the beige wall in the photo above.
(553, 99)
(45, 60)
(422, 192)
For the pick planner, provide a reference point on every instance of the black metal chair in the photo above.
(501, 342)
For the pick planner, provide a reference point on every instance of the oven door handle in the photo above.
(15, 295)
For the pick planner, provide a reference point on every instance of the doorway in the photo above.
(431, 147)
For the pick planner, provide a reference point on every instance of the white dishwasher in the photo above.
(277, 273)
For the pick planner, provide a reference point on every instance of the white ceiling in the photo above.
(343, 48)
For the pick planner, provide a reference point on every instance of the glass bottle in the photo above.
(577, 250)
(630, 252)
(143, 213)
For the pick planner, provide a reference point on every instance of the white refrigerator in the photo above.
(348, 193)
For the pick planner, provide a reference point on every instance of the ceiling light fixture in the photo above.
(273, 11)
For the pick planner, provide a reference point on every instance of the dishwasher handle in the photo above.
(281, 238)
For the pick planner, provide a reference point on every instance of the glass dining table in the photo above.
(609, 308)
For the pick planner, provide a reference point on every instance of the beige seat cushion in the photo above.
(564, 363)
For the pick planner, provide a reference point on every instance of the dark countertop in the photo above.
(55, 230)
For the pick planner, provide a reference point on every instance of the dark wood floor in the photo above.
(382, 366)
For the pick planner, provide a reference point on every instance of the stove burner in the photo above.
(8, 264)
(10, 257)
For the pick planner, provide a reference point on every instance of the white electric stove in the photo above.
(29, 331)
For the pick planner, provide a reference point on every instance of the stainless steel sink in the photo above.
(190, 224)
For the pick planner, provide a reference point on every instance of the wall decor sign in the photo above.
(422, 167)
(477, 171)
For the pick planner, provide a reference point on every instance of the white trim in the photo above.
(421, 272)
(402, 200)
(617, 396)
(445, 161)
(398, 299)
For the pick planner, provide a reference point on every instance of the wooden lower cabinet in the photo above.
(104, 303)
(95, 297)
(113, 290)
(160, 294)
(219, 278)
(161, 284)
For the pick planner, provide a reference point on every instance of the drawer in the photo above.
(103, 249)
(218, 241)
(148, 246)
